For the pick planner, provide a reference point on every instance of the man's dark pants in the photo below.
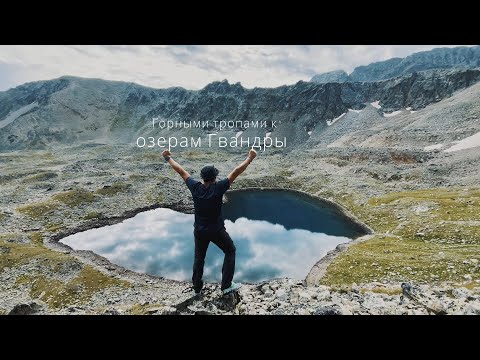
(225, 243)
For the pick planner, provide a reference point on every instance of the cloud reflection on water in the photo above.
(160, 242)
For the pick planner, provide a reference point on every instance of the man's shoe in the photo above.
(197, 293)
(233, 287)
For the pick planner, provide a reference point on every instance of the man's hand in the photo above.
(252, 154)
(176, 166)
(166, 153)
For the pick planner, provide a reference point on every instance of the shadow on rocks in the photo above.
(25, 309)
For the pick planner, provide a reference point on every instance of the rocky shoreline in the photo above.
(313, 277)
(54, 242)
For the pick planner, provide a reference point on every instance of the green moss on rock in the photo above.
(146, 309)
(36, 238)
(43, 176)
(54, 227)
(19, 254)
(58, 294)
(74, 198)
(38, 210)
(114, 189)
(93, 215)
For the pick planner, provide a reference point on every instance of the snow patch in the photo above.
(392, 113)
(238, 134)
(408, 108)
(11, 117)
(356, 111)
(309, 133)
(335, 120)
(412, 111)
(467, 143)
(433, 147)
(376, 104)
(268, 134)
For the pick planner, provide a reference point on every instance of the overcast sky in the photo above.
(191, 67)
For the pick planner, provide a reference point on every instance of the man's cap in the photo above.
(209, 172)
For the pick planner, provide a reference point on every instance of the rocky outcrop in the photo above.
(26, 309)
(289, 297)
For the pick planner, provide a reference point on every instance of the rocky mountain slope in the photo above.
(442, 123)
(72, 110)
(331, 76)
(440, 58)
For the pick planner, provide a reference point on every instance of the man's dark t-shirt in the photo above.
(207, 201)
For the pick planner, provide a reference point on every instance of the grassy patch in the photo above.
(19, 254)
(42, 155)
(40, 177)
(394, 259)
(146, 309)
(55, 292)
(154, 197)
(2, 216)
(58, 294)
(163, 178)
(10, 237)
(36, 238)
(93, 215)
(74, 198)
(267, 182)
(337, 162)
(39, 209)
(384, 290)
(403, 158)
(285, 173)
(5, 179)
(439, 215)
(432, 235)
(119, 122)
(138, 177)
(426, 194)
(54, 227)
(312, 184)
(114, 189)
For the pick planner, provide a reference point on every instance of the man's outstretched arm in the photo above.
(241, 168)
(176, 166)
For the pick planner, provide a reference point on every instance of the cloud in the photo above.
(9, 75)
(189, 66)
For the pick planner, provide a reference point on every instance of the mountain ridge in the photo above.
(70, 109)
(438, 58)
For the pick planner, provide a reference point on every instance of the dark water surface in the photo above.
(277, 234)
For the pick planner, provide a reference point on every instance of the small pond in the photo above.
(277, 234)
